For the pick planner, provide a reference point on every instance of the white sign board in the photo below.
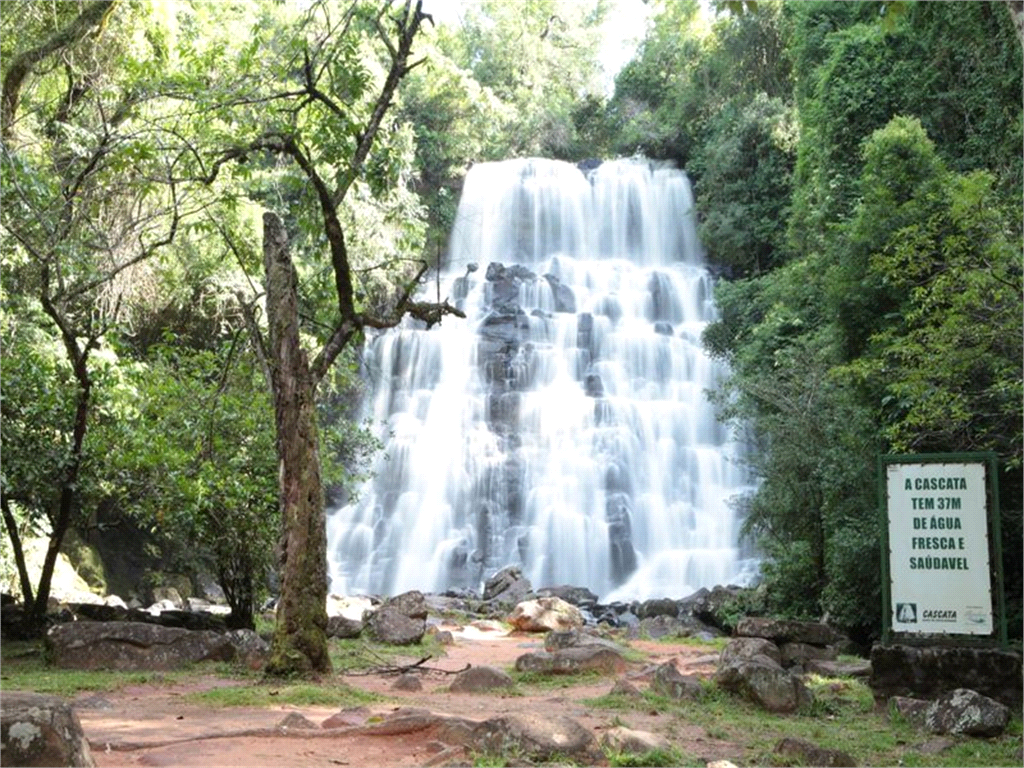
(938, 549)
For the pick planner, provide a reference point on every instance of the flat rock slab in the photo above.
(568, 661)
(785, 631)
(927, 672)
(128, 646)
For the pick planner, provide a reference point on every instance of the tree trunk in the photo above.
(19, 553)
(300, 637)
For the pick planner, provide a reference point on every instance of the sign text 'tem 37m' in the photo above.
(938, 548)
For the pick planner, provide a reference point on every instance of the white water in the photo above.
(492, 461)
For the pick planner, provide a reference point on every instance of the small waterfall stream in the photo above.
(563, 425)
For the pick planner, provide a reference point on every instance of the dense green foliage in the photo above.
(858, 175)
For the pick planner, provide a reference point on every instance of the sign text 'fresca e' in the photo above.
(938, 561)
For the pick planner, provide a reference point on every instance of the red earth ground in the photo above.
(156, 725)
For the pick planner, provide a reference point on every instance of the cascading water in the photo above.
(563, 425)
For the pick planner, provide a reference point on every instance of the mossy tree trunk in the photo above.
(300, 637)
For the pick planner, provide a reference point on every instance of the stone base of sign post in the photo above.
(929, 671)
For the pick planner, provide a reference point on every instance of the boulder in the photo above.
(784, 630)
(251, 650)
(966, 712)
(765, 683)
(807, 753)
(798, 654)
(656, 627)
(569, 661)
(347, 718)
(507, 587)
(411, 604)
(575, 638)
(407, 682)
(343, 627)
(391, 627)
(711, 606)
(296, 721)
(545, 614)
(40, 730)
(927, 672)
(97, 612)
(133, 646)
(352, 608)
(170, 595)
(180, 619)
(838, 668)
(478, 679)
(658, 607)
(748, 648)
(631, 742)
(667, 681)
(537, 738)
(578, 596)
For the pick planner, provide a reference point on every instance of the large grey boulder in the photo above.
(133, 646)
(390, 626)
(764, 682)
(412, 604)
(748, 648)
(39, 730)
(507, 587)
(251, 650)
(799, 654)
(537, 737)
(661, 606)
(668, 681)
(966, 712)
(343, 627)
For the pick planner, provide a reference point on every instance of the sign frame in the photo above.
(989, 461)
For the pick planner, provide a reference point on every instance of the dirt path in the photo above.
(156, 726)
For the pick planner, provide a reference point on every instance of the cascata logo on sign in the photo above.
(938, 615)
(906, 613)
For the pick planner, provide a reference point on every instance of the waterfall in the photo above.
(563, 425)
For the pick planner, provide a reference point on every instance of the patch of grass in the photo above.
(845, 718)
(833, 696)
(713, 646)
(25, 669)
(293, 694)
(655, 758)
(547, 680)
